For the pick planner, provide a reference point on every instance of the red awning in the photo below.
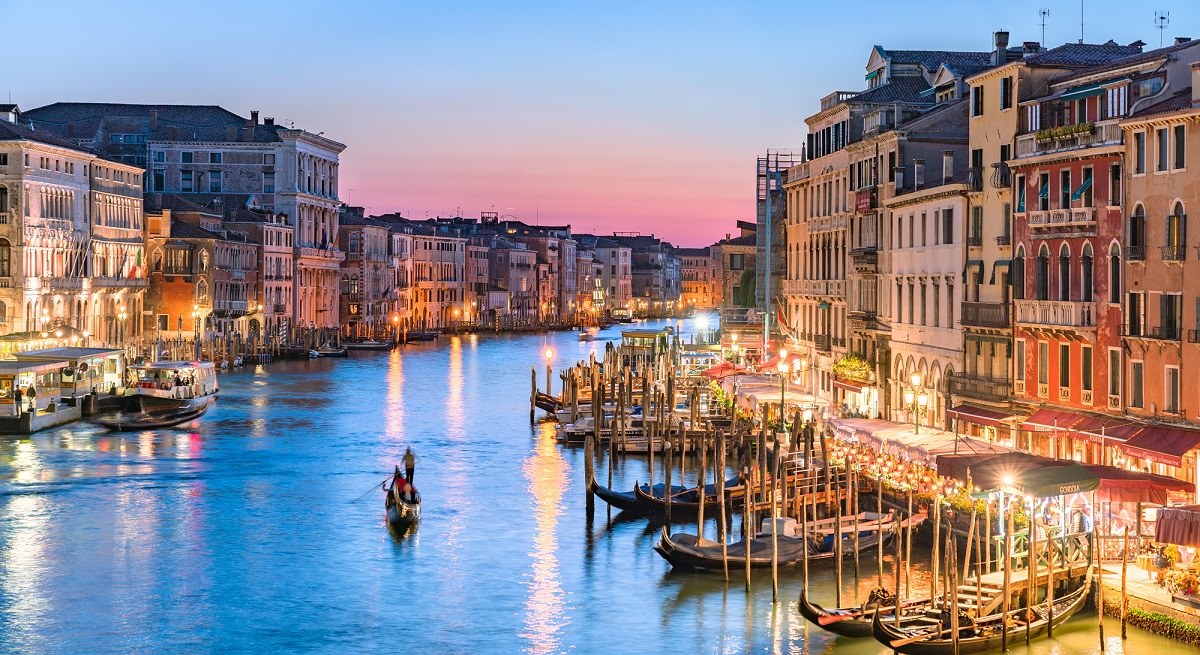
(1120, 486)
(1161, 444)
(1096, 428)
(980, 415)
(1045, 420)
(850, 385)
(722, 370)
(1178, 525)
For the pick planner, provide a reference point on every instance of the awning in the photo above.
(1081, 92)
(1006, 263)
(1161, 444)
(1178, 525)
(1087, 183)
(1120, 486)
(1109, 430)
(991, 417)
(1045, 420)
(1048, 481)
(873, 74)
(850, 385)
(973, 263)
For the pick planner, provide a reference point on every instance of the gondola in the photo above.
(369, 344)
(626, 500)
(685, 501)
(401, 514)
(983, 634)
(136, 421)
(855, 622)
(686, 553)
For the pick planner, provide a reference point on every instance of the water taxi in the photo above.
(190, 385)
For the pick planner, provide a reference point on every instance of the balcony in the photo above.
(1176, 253)
(1004, 240)
(994, 390)
(54, 284)
(1056, 313)
(986, 315)
(119, 282)
(1135, 253)
(1001, 177)
(863, 319)
(1160, 332)
(1048, 218)
(321, 253)
(237, 274)
(3, 218)
(1070, 137)
(230, 305)
(822, 342)
(975, 178)
(866, 259)
(975, 241)
(279, 309)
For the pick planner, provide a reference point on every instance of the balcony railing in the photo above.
(1135, 253)
(122, 282)
(1001, 179)
(3, 218)
(1056, 313)
(822, 341)
(981, 388)
(975, 241)
(1100, 134)
(986, 314)
(1164, 332)
(279, 309)
(1004, 240)
(975, 178)
(1045, 218)
(1176, 253)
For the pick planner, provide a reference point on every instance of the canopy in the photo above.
(1081, 92)
(980, 415)
(1109, 430)
(1121, 486)
(1178, 525)
(1161, 444)
(721, 370)
(1063, 480)
(1045, 420)
(849, 385)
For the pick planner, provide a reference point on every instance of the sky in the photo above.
(643, 116)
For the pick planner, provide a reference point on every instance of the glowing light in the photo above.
(549, 354)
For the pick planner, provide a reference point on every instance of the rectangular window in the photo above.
(924, 306)
(892, 166)
(1114, 186)
(159, 182)
(1134, 314)
(1005, 152)
(1064, 364)
(185, 182)
(912, 304)
(977, 100)
(1044, 191)
(736, 262)
(1171, 390)
(1170, 316)
(948, 225)
(1043, 363)
(214, 181)
(160, 156)
(975, 233)
(1160, 137)
(186, 157)
(924, 228)
(1180, 146)
(1006, 93)
(268, 183)
(1085, 188)
(214, 158)
(1114, 372)
(1019, 362)
(1085, 367)
(1020, 194)
(1135, 384)
(1064, 189)
(937, 306)
(1139, 153)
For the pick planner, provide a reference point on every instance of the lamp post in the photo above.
(783, 371)
(86, 338)
(733, 338)
(196, 328)
(549, 356)
(917, 400)
(121, 326)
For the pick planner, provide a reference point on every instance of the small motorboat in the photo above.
(369, 344)
(403, 511)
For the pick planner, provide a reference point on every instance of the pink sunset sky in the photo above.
(624, 116)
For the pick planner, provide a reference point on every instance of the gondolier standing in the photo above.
(410, 463)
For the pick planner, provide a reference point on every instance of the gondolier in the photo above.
(410, 463)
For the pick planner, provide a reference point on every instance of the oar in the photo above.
(896, 643)
(373, 488)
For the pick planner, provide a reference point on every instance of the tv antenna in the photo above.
(1161, 20)
(1043, 13)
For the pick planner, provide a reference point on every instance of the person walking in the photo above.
(410, 463)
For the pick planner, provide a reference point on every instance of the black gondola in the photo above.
(402, 513)
(982, 634)
(855, 622)
(685, 501)
(627, 500)
(687, 553)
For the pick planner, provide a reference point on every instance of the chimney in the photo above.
(1000, 53)
(899, 177)
(1196, 84)
(269, 122)
(254, 117)
(947, 166)
(918, 173)
(1031, 48)
(1180, 40)
(153, 120)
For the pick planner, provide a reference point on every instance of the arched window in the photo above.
(354, 242)
(1064, 272)
(1176, 235)
(1114, 274)
(202, 292)
(1086, 293)
(1018, 274)
(1042, 273)
(156, 258)
(5, 258)
(1137, 234)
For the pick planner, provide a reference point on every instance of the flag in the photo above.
(136, 270)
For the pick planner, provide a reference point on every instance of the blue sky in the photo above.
(641, 116)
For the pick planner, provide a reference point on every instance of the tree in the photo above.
(747, 289)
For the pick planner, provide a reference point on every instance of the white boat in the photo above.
(190, 385)
(369, 344)
(327, 351)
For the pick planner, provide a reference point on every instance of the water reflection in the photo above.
(544, 611)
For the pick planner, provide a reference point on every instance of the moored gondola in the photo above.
(685, 501)
(982, 634)
(855, 622)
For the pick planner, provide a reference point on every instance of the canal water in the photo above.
(250, 531)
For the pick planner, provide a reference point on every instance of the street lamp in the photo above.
(86, 340)
(549, 356)
(783, 371)
(917, 399)
(121, 326)
(196, 328)
(733, 338)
